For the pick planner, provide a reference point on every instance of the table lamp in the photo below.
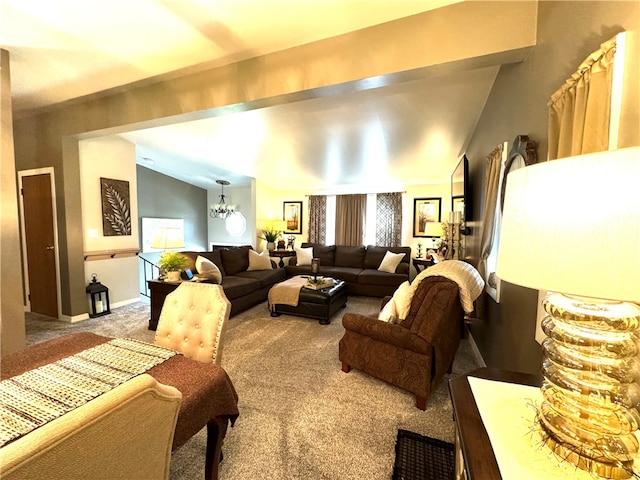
(581, 215)
(167, 237)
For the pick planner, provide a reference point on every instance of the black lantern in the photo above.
(98, 298)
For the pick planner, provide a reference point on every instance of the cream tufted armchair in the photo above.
(192, 321)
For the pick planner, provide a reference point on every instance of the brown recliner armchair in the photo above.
(414, 354)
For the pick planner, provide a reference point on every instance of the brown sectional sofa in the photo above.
(357, 266)
(243, 289)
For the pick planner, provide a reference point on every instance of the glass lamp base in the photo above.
(588, 415)
(620, 471)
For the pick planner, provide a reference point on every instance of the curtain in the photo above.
(317, 219)
(350, 213)
(579, 111)
(490, 204)
(389, 219)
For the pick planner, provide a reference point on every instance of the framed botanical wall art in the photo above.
(292, 215)
(116, 210)
(426, 217)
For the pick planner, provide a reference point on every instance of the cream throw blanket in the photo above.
(287, 292)
(465, 275)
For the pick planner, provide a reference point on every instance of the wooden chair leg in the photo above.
(421, 403)
(345, 368)
(216, 429)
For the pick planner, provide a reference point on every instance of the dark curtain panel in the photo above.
(317, 219)
(350, 212)
(389, 219)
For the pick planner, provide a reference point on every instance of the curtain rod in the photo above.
(327, 194)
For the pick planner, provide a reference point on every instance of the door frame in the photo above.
(29, 173)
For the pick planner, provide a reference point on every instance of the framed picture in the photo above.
(116, 212)
(292, 215)
(426, 217)
(457, 204)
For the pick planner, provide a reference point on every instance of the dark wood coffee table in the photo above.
(319, 304)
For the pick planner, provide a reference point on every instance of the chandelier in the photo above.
(221, 209)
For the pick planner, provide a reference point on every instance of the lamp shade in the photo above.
(167, 237)
(573, 226)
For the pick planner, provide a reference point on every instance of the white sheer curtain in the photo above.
(580, 110)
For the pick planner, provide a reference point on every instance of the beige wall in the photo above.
(567, 33)
(12, 335)
(109, 158)
(51, 139)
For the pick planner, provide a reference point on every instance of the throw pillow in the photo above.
(207, 269)
(389, 312)
(390, 262)
(304, 256)
(259, 261)
(402, 299)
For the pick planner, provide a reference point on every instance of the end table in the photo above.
(282, 254)
(422, 262)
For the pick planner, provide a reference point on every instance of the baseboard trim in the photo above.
(124, 303)
(74, 318)
(85, 316)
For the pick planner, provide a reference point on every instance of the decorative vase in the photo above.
(271, 245)
(173, 276)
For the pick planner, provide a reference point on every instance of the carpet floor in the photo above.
(301, 417)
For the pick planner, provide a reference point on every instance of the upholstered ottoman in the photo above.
(320, 304)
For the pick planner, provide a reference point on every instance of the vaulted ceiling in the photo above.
(412, 132)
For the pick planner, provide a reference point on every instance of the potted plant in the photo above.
(270, 235)
(171, 263)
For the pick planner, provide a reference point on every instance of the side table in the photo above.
(282, 254)
(158, 291)
(473, 452)
(423, 262)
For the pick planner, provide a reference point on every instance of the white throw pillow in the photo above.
(304, 256)
(390, 262)
(259, 261)
(402, 299)
(207, 269)
(388, 312)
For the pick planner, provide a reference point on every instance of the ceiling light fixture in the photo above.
(222, 209)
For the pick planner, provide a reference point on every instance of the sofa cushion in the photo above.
(390, 262)
(376, 277)
(259, 261)
(213, 256)
(293, 270)
(397, 308)
(348, 274)
(326, 253)
(304, 256)
(375, 254)
(266, 278)
(207, 269)
(235, 259)
(237, 286)
(352, 257)
(389, 313)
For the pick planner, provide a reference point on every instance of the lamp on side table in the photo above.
(563, 209)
